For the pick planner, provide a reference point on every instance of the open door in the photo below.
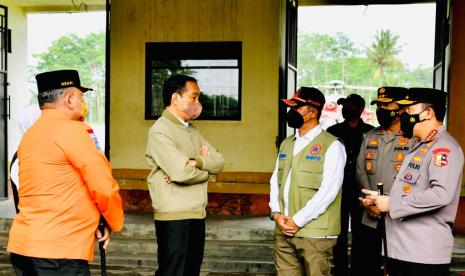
(442, 48)
(4, 101)
(442, 45)
(288, 65)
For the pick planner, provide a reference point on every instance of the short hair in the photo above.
(439, 110)
(175, 84)
(51, 96)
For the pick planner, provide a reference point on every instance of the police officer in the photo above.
(351, 132)
(66, 185)
(305, 196)
(423, 201)
(379, 160)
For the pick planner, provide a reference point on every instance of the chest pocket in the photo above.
(310, 171)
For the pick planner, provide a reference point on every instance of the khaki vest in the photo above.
(306, 170)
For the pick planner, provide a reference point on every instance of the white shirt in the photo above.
(333, 174)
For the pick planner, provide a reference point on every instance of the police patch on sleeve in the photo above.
(441, 156)
(94, 139)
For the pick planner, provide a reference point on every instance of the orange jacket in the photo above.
(66, 183)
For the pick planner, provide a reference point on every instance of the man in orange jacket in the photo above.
(66, 185)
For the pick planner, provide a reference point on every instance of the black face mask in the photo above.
(408, 122)
(349, 114)
(386, 117)
(294, 119)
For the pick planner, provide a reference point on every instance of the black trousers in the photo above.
(180, 247)
(402, 268)
(29, 266)
(350, 210)
(369, 243)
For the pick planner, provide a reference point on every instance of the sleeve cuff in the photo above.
(299, 220)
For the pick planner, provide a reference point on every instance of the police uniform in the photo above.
(66, 186)
(423, 204)
(380, 158)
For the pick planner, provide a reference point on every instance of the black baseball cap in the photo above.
(424, 95)
(306, 96)
(352, 99)
(59, 79)
(388, 94)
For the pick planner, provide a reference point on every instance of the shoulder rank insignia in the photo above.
(315, 149)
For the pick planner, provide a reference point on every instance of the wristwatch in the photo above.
(272, 214)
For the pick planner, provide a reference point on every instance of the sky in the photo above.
(414, 23)
(360, 23)
(43, 29)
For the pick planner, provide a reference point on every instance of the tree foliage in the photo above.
(86, 55)
(323, 58)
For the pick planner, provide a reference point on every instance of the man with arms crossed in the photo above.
(181, 162)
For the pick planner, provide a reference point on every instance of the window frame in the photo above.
(192, 51)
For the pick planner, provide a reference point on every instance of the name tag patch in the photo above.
(313, 157)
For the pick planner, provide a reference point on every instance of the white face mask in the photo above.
(190, 109)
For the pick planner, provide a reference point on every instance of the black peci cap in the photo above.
(59, 79)
(352, 99)
(424, 95)
(306, 96)
(387, 94)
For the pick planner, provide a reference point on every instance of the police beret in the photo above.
(306, 96)
(59, 79)
(387, 94)
(424, 95)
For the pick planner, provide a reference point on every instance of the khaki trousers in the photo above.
(295, 256)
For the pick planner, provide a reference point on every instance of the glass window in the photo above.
(215, 65)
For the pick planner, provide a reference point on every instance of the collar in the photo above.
(51, 112)
(309, 135)
(174, 119)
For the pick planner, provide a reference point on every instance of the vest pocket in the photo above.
(308, 184)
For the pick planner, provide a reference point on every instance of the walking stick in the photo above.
(383, 230)
(103, 257)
